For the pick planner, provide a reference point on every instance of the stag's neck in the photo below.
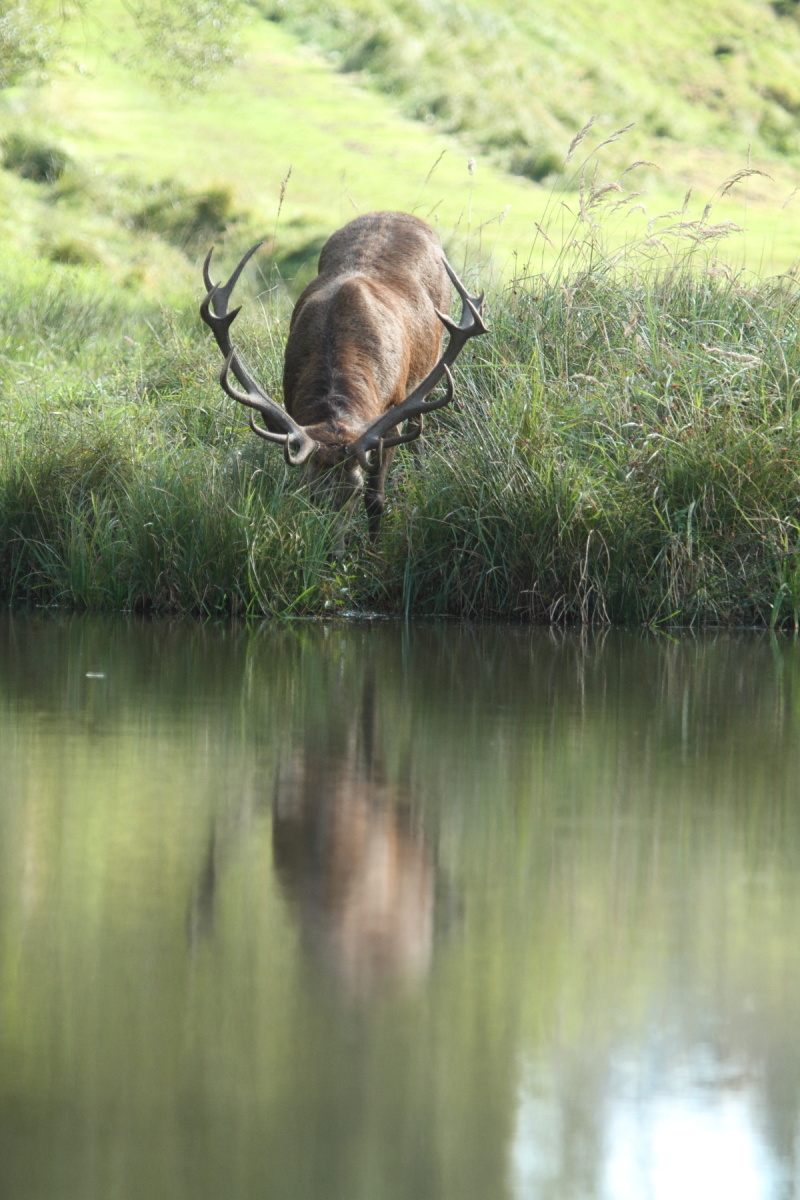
(342, 402)
(340, 364)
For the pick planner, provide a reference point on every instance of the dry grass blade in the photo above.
(615, 136)
(543, 233)
(579, 136)
(597, 194)
(641, 162)
(745, 173)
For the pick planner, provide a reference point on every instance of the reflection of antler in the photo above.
(201, 909)
(354, 869)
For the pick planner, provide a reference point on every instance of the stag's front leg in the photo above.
(374, 494)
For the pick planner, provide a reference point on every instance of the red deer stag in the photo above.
(362, 357)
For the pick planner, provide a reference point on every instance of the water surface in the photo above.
(366, 912)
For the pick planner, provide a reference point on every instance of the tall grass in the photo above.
(623, 449)
(126, 481)
(627, 454)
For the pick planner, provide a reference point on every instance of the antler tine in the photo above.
(291, 459)
(296, 450)
(214, 311)
(413, 430)
(470, 308)
(260, 430)
(370, 445)
(397, 439)
(224, 293)
(371, 458)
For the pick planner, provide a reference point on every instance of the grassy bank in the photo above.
(624, 449)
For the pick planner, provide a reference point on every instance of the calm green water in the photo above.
(323, 913)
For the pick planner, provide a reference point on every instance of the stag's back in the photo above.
(394, 248)
(366, 327)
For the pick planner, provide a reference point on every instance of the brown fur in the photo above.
(366, 328)
(363, 334)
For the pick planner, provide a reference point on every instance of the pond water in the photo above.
(316, 912)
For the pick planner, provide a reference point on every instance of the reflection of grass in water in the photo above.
(624, 449)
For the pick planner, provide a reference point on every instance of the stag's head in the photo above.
(332, 470)
(341, 454)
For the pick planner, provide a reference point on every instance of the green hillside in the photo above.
(703, 93)
(522, 78)
(134, 148)
(407, 95)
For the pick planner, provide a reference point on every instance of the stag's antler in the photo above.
(281, 427)
(370, 445)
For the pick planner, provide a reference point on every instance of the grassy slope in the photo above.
(709, 89)
(700, 75)
(349, 149)
(282, 107)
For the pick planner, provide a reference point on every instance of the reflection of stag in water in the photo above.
(348, 847)
(352, 866)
